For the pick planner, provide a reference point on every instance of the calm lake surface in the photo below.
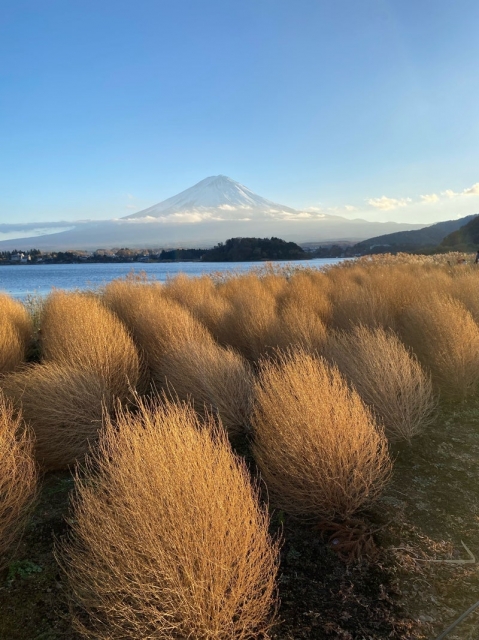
(21, 280)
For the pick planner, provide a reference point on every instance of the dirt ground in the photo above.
(413, 589)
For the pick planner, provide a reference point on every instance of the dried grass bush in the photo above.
(168, 539)
(445, 338)
(17, 314)
(214, 379)
(374, 293)
(317, 445)
(357, 300)
(465, 288)
(275, 283)
(78, 331)
(16, 333)
(309, 290)
(64, 406)
(251, 323)
(158, 324)
(300, 326)
(12, 350)
(18, 476)
(200, 297)
(388, 378)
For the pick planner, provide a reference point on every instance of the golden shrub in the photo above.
(213, 378)
(78, 331)
(445, 338)
(157, 323)
(465, 288)
(16, 312)
(299, 325)
(357, 300)
(18, 476)
(64, 406)
(387, 376)
(200, 297)
(168, 539)
(251, 323)
(16, 331)
(309, 290)
(317, 445)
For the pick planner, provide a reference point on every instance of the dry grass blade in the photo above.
(169, 540)
(316, 443)
(18, 476)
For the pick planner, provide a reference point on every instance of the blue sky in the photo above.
(365, 109)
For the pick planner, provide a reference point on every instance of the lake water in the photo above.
(21, 280)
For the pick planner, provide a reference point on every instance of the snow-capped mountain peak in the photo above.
(216, 197)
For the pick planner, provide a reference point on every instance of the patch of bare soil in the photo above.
(33, 603)
(401, 593)
(431, 540)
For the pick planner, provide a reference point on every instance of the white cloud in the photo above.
(172, 218)
(349, 207)
(230, 207)
(472, 191)
(449, 193)
(305, 214)
(276, 214)
(429, 198)
(131, 206)
(386, 204)
(468, 191)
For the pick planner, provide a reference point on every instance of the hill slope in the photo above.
(467, 237)
(250, 249)
(426, 237)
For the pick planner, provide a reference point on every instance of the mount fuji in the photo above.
(212, 210)
(215, 198)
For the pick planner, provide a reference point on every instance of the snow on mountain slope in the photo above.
(218, 198)
(211, 211)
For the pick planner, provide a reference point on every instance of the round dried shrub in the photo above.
(168, 538)
(157, 323)
(300, 326)
(214, 379)
(251, 324)
(388, 378)
(309, 290)
(445, 338)
(64, 406)
(318, 447)
(18, 476)
(78, 331)
(200, 297)
(16, 330)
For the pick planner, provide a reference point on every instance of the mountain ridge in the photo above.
(202, 215)
(429, 236)
(464, 238)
